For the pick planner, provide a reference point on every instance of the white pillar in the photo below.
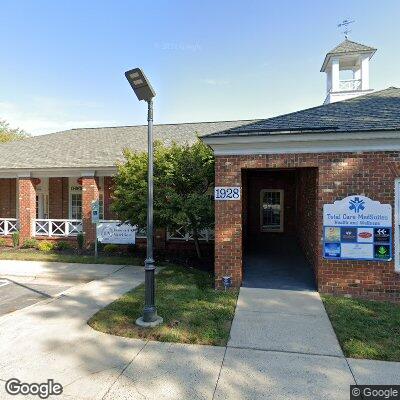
(365, 73)
(328, 81)
(335, 74)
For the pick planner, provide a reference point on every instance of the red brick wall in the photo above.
(90, 192)
(58, 198)
(306, 214)
(27, 207)
(108, 191)
(339, 175)
(8, 198)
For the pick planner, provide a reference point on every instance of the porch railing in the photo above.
(181, 234)
(349, 84)
(58, 227)
(8, 226)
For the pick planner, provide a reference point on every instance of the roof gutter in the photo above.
(310, 142)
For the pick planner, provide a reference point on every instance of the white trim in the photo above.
(284, 143)
(266, 228)
(87, 174)
(396, 248)
(54, 172)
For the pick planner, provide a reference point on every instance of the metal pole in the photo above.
(95, 241)
(150, 310)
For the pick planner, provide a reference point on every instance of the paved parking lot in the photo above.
(18, 293)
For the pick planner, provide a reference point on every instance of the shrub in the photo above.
(80, 238)
(15, 239)
(45, 246)
(30, 243)
(62, 245)
(3, 242)
(111, 248)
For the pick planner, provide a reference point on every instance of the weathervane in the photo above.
(345, 24)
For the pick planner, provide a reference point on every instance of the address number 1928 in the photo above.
(227, 193)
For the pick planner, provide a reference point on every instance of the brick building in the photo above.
(287, 169)
(48, 182)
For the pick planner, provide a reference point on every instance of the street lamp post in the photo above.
(143, 90)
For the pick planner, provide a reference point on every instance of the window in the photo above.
(76, 205)
(271, 210)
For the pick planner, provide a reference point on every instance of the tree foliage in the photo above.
(8, 134)
(183, 180)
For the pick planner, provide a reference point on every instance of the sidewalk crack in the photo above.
(122, 372)
(351, 371)
(219, 373)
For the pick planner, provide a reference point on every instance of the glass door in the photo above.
(271, 210)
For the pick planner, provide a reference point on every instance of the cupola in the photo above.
(347, 71)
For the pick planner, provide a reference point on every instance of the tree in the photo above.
(183, 179)
(8, 134)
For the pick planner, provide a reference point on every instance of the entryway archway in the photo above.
(280, 228)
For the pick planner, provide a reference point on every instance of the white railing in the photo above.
(58, 227)
(8, 226)
(181, 234)
(349, 84)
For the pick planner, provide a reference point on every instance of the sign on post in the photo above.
(227, 193)
(95, 211)
(357, 228)
(116, 232)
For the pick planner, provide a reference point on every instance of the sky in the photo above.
(63, 62)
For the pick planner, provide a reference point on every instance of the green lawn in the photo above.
(365, 329)
(34, 255)
(193, 311)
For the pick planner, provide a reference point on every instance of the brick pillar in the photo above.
(228, 226)
(90, 192)
(27, 207)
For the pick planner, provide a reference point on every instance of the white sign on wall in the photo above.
(227, 193)
(116, 232)
(358, 228)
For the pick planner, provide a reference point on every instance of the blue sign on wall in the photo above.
(357, 228)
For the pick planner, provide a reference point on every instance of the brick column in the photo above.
(27, 207)
(228, 225)
(90, 192)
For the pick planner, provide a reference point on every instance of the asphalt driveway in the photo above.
(18, 293)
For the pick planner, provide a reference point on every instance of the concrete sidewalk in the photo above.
(56, 270)
(52, 340)
(283, 320)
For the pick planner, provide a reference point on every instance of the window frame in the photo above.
(269, 228)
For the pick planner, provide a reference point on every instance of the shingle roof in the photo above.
(372, 112)
(348, 46)
(98, 147)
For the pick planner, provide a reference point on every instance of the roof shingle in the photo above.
(98, 147)
(348, 46)
(372, 112)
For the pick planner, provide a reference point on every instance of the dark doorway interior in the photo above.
(280, 234)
